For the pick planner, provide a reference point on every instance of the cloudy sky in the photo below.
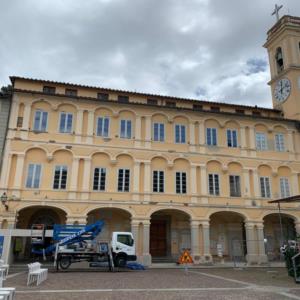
(203, 49)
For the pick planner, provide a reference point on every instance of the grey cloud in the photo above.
(196, 48)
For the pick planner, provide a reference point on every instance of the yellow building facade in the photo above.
(178, 173)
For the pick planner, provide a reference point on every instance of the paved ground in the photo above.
(239, 284)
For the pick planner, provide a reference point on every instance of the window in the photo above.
(123, 180)
(49, 89)
(40, 120)
(33, 176)
(256, 113)
(284, 187)
(152, 101)
(170, 104)
(279, 142)
(20, 122)
(211, 136)
(99, 179)
(158, 132)
(102, 126)
(123, 99)
(197, 107)
(65, 123)
(215, 108)
(235, 186)
(213, 184)
(232, 138)
(158, 181)
(240, 111)
(180, 134)
(71, 92)
(261, 141)
(279, 60)
(125, 129)
(125, 239)
(265, 187)
(60, 177)
(180, 183)
(102, 96)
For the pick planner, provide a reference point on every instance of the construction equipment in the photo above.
(76, 243)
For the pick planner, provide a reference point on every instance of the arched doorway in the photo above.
(115, 219)
(169, 234)
(227, 236)
(277, 234)
(46, 215)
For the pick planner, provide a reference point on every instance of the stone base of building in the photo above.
(145, 259)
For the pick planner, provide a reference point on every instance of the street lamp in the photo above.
(4, 199)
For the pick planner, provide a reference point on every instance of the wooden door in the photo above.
(158, 238)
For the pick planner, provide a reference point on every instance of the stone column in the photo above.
(146, 243)
(26, 116)
(74, 178)
(135, 233)
(295, 184)
(252, 138)
(246, 183)
(202, 141)
(90, 128)
(6, 163)
(262, 257)
(147, 181)
(86, 178)
(148, 132)
(207, 258)
(195, 245)
(256, 183)
(243, 143)
(136, 180)
(138, 131)
(192, 137)
(78, 129)
(19, 174)
(203, 179)
(251, 256)
(193, 183)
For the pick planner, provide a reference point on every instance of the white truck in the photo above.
(82, 243)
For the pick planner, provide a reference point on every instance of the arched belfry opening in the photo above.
(279, 60)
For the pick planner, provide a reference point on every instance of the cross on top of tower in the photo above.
(276, 11)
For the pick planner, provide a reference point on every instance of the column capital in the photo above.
(146, 222)
(249, 224)
(205, 224)
(195, 223)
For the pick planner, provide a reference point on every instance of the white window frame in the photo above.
(158, 181)
(285, 189)
(279, 142)
(239, 187)
(182, 129)
(123, 181)
(214, 184)
(181, 183)
(230, 131)
(264, 192)
(66, 122)
(33, 176)
(261, 144)
(126, 131)
(40, 123)
(99, 179)
(159, 137)
(211, 129)
(60, 178)
(103, 122)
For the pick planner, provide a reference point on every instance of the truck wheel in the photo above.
(65, 262)
(120, 261)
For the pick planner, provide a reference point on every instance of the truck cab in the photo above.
(123, 248)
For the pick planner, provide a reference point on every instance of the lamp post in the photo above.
(4, 200)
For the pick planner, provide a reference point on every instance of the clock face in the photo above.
(282, 89)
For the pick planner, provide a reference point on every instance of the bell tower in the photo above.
(283, 45)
